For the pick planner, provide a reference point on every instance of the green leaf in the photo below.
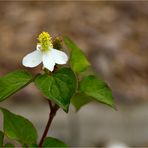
(97, 89)
(53, 142)
(78, 60)
(80, 99)
(18, 128)
(8, 145)
(13, 82)
(1, 138)
(32, 146)
(59, 87)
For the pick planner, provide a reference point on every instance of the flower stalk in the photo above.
(53, 109)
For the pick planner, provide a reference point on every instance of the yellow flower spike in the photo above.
(45, 40)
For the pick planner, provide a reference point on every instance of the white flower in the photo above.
(45, 53)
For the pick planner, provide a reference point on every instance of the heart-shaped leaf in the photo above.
(97, 89)
(78, 60)
(13, 82)
(59, 87)
(80, 99)
(18, 128)
(54, 143)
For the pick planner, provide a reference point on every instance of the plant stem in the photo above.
(53, 110)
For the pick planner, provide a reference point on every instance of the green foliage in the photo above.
(1, 138)
(59, 87)
(53, 142)
(78, 61)
(18, 128)
(80, 99)
(13, 82)
(31, 146)
(8, 145)
(97, 89)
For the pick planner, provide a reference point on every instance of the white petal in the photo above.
(59, 56)
(32, 59)
(38, 47)
(48, 61)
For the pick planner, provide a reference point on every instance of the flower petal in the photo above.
(48, 61)
(59, 56)
(32, 59)
(38, 47)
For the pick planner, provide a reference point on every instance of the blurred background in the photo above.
(114, 36)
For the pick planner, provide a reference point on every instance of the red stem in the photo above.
(53, 110)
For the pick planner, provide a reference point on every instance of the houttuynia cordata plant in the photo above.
(63, 80)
